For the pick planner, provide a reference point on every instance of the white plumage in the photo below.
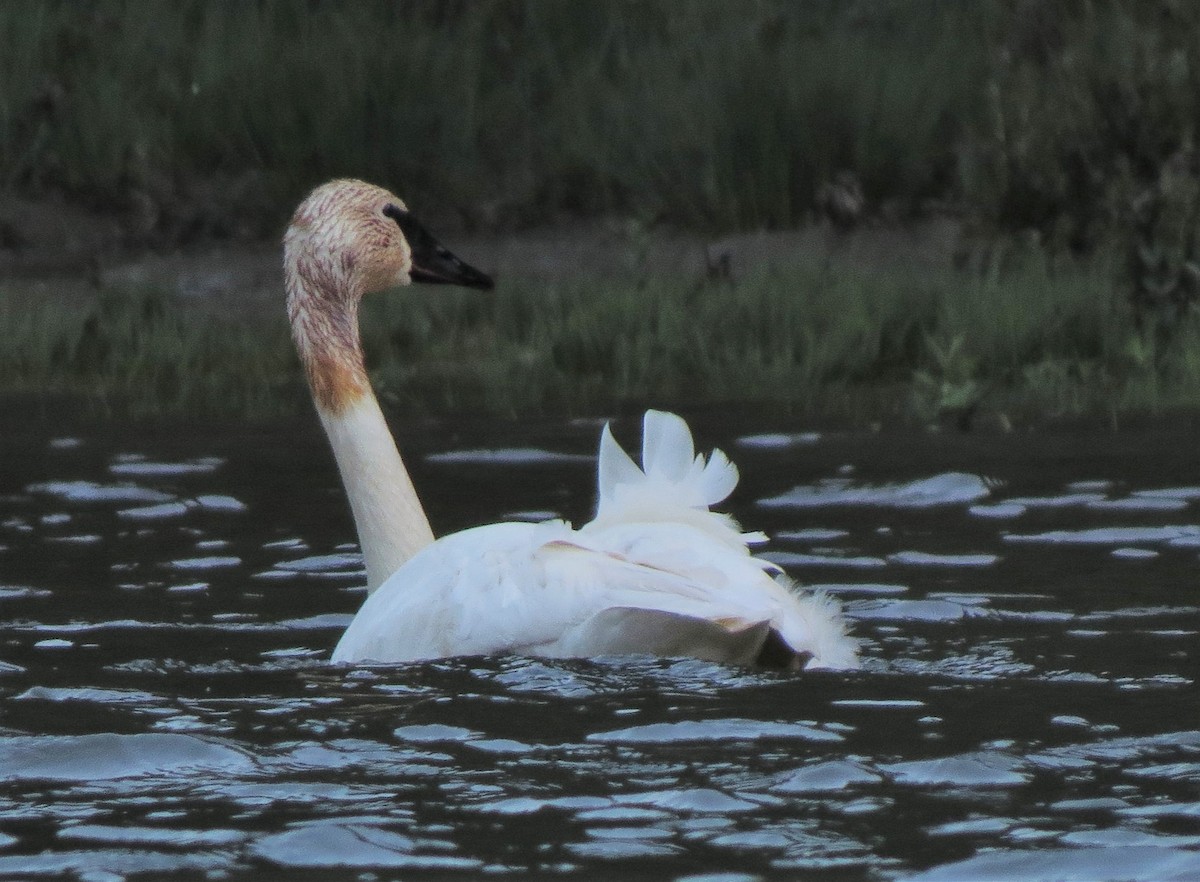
(655, 572)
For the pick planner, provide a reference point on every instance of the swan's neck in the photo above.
(392, 526)
(391, 523)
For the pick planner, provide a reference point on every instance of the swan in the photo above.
(655, 572)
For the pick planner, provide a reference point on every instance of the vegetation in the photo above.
(1064, 136)
(827, 339)
(708, 114)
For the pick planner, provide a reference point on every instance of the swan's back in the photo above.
(655, 572)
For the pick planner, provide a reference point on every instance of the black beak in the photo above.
(432, 262)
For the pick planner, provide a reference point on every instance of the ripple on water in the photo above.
(91, 694)
(1131, 864)
(712, 730)
(1108, 535)
(109, 756)
(160, 512)
(795, 559)
(1134, 553)
(137, 467)
(1060, 500)
(433, 733)
(1189, 811)
(690, 800)
(113, 865)
(629, 833)
(21, 592)
(1125, 837)
(720, 877)
(973, 827)
(166, 837)
(90, 491)
(1118, 750)
(318, 845)
(622, 814)
(348, 564)
(295, 543)
(945, 489)
(998, 511)
(911, 611)
(988, 768)
(865, 588)
(1186, 771)
(1170, 492)
(925, 559)
(508, 456)
(220, 503)
(208, 562)
(827, 776)
(1139, 504)
(528, 805)
(811, 534)
(777, 440)
(81, 539)
(54, 643)
(287, 767)
(622, 849)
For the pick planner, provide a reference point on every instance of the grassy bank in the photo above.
(826, 338)
(198, 118)
(1069, 128)
(205, 117)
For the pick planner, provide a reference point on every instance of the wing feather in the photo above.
(654, 572)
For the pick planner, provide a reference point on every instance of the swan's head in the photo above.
(349, 238)
(346, 240)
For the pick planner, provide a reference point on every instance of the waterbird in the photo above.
(654, 572)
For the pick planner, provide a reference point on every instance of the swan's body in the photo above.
(655, 572)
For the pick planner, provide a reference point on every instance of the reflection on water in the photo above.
(1028, 709)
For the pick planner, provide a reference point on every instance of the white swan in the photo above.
(655, 571)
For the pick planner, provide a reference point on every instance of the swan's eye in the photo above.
(419, 239)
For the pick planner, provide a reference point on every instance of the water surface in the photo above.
(1028, 609)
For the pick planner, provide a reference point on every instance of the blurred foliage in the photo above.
(1058, 117)
(1089, 141)
(828, 337)
(1064, 135)
(199, 117)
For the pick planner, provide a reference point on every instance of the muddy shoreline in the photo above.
(55, 247)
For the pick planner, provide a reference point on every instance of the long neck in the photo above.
(392, 526)
(391, 523)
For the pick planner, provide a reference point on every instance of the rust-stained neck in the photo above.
(323, 311)
(339, 246)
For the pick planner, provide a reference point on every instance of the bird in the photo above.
(655, 572)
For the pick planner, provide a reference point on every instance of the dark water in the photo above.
(1027, 711)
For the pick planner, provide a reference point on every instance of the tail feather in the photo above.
(667, 448)
(718, 477)
(615, 469)
(675, 483)
(669, 457)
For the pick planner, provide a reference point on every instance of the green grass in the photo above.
(134, 352)
(830, 339)
(711, 114)
(198, 117)
(1068, 127)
